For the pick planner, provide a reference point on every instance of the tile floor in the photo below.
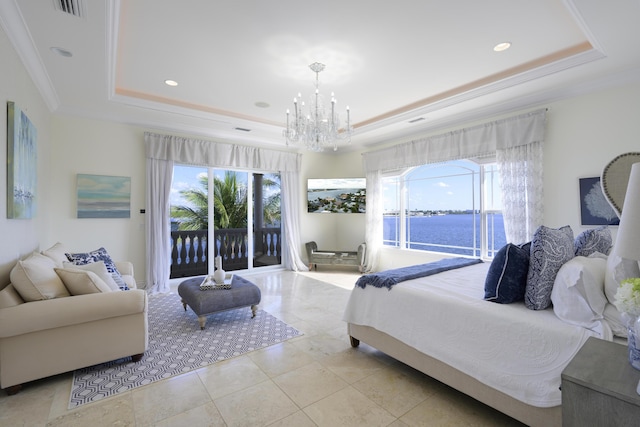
(313, 380)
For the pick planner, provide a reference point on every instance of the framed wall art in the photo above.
(22, 165)
(594, 207)
(336, 195)
(103, 196)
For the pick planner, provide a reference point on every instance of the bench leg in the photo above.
(184, 304)
(203, 321)
(254, 310)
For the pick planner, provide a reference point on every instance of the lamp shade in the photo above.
(627, 243)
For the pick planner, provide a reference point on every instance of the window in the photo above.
(217, 206)
(452, 207)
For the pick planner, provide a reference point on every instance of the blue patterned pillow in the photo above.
(594, 240)
(550, 249)
(507, 276)
(99, 255)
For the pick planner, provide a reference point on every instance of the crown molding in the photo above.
(16, 30)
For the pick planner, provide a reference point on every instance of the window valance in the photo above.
(217, 154)
(460, 144)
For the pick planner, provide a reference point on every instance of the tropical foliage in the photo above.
(229, 202)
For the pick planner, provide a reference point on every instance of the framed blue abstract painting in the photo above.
(22, 164)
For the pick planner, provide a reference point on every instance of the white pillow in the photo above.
(99, 268)
(80, 282)
(35, 279)
(56, 253)
(578, 293)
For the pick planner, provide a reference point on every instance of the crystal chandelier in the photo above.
(316, 128)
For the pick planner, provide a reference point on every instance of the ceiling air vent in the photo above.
(72, 7)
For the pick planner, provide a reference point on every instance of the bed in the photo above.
(504, 355)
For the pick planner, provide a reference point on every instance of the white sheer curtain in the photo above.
(290, 197)
(521, 185)
(162, 151)
(517, 141)
(159, 177)
(374, 224)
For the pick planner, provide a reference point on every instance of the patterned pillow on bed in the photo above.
(594, 240)
(550, 249)
(507, 276)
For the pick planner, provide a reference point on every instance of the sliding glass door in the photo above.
(228, 213)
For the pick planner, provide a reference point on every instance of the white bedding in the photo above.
(515, 350)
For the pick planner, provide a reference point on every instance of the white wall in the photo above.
(99, 148)
(339, 231)
(19, 237)
(583, 134)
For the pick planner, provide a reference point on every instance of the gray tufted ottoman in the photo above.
(242, 293)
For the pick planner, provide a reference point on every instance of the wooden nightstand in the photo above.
(599, 387)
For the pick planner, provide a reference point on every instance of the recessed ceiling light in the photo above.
(170, 82)
(262, 104)
(62, 52)
(502, 46)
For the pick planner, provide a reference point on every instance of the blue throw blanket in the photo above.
(389, 278)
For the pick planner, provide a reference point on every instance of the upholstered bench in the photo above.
(242, 293)
(331, 257)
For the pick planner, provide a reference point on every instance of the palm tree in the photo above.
(229, 201)
(194, 216)
(272, 213)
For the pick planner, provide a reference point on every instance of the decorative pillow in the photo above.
(593, 240)
(56, 253)
(80, 282)
(99, 255)
(35, 280)
(507, 276)
(9, 297)
(550, 249)
(98, 268)
(578, 293)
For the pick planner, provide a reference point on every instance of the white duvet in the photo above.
(515, 350)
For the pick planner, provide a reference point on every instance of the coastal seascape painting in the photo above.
(336, 195)
(102, 196)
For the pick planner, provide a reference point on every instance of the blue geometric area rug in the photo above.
(178, 345)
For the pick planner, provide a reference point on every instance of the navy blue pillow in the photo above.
(507, 277)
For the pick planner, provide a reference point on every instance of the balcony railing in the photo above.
(190, 250)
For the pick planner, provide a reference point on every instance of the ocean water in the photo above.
(453, 231)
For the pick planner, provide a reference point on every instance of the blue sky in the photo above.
(431, 188)
(440, 188)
